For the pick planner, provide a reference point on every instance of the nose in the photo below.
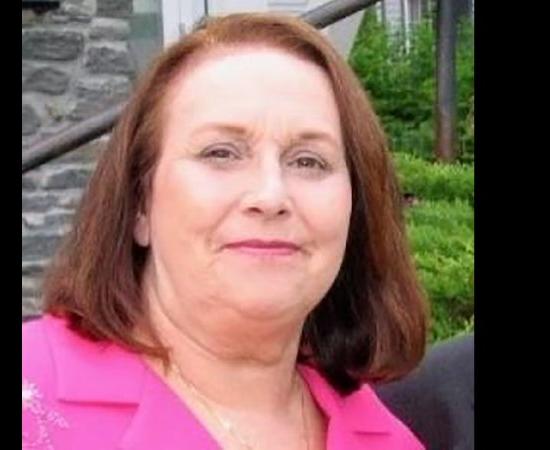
(267, 194)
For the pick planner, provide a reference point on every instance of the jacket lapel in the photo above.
(163, 421)
(92, 372)
(355, 422)
(103, 373)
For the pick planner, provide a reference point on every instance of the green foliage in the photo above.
(441, 235)
(440, 227)
(435, 181)
(402, 83)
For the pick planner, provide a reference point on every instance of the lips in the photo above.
(264, 247)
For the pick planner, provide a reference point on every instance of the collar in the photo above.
(361, 411)
(95, 372)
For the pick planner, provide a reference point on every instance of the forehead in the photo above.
(232, 63)
(247, 82)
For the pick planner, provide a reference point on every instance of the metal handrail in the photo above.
(94, 127)
(71, 138)
(332, 12)
(40, 6)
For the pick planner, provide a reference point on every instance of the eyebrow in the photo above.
(243, 132)
(234, 129)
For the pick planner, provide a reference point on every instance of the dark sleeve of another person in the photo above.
(436, 401)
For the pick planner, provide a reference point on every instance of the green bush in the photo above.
(442, 240)
(435, 181)
(402, 83)
(440, 227)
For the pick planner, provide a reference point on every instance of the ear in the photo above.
(142, 230)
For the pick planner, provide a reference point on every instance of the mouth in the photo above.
(259, 247)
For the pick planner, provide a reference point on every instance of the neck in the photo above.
(240, 363)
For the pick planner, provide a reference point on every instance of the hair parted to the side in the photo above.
(371, 325)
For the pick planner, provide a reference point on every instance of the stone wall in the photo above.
(75, 63)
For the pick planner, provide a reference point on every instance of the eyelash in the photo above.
(223, 154)
(214, 153)
(319, 165)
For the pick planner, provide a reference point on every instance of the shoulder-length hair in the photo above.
(370, 326)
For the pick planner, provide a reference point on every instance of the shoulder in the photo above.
(37, 367)
(52, 353)
(46, 343)
(36, 363)
(59, 357)
(437, 399)
(40, 416)
(444, 378)
(74, 388)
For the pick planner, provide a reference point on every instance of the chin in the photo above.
(268, 303)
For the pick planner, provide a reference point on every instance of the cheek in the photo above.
(189, 202)
(181, 184)
(326, 213)
(327, 209)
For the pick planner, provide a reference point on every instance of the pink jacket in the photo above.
(83, 395)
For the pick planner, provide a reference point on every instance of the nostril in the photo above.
(267, 210)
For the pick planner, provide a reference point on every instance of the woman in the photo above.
(238, 271)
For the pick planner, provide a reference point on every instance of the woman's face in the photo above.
(251, 198)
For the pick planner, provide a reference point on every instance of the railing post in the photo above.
(445, 142)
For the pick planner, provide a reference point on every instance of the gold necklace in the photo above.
(226, 424)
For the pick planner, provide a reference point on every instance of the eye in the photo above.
(220, 153)
(309, 162)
